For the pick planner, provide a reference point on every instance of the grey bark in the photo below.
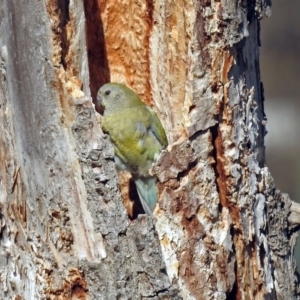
(221, 230)
(65, 233)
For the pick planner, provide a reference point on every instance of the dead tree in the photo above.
(221, 229)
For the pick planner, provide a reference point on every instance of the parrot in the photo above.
(137, 136)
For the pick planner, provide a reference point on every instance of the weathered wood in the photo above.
(65, 233)
(294, 217)
(221, 229)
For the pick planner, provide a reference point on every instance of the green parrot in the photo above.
(137, 135)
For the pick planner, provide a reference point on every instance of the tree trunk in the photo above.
(221, 229)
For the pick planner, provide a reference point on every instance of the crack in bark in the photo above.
(64, 19)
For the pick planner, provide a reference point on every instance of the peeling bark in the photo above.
(221, 229)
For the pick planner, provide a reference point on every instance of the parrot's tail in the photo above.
(146, 187)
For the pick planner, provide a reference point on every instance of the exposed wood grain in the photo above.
(221, 230)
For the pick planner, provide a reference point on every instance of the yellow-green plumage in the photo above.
(137, 135)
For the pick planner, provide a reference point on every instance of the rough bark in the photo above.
(221, 230)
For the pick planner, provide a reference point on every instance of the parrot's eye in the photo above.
(107, 92)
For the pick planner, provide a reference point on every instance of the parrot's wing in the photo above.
(157, 128)
(146, 187)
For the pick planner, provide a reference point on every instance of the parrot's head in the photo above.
(113, 97)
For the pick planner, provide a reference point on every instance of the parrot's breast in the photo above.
(135, 143)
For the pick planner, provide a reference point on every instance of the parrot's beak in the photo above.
(99, 100)
(99, 104)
